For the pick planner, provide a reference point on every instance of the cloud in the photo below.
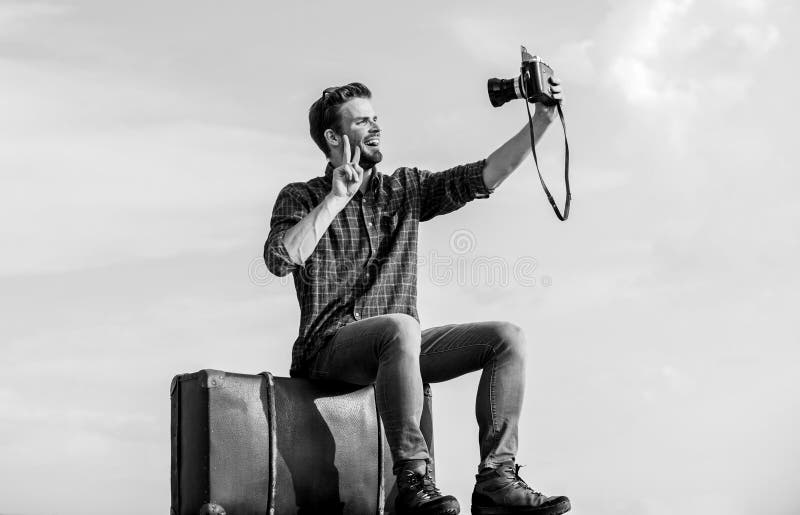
(579, 64)
(117, 168)
(660, 53)
(16, 16)
(485, 39)
(115, 425)
(653, 54)
(642, 85)
(652, 25)
(751, 6)
(677, 380)
(758, 40)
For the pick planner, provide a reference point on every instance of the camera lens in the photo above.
(502, 90)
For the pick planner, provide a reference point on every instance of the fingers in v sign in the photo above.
(350, 162)
(346, 158)
(348, 174)
(354, 163)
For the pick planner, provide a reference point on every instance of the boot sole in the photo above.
(554, 509)
(432, 511)
(442, 509)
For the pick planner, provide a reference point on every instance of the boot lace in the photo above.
(423, 484)
(429, 487)
(520, 483)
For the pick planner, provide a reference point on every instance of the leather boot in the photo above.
(417, 495)
(502, 491)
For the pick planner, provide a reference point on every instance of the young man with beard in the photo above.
(349, 238)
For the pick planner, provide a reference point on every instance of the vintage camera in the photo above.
(533, 83)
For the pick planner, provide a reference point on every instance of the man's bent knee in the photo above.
(510, 339)
(402, 333)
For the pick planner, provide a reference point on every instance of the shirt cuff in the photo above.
(277, 257)
(477, 188)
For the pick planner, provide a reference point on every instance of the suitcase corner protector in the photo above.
(213, 378)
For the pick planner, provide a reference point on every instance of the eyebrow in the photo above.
(365, 117)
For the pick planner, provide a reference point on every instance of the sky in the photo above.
(142, 145)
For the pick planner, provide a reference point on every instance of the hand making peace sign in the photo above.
(347, 176)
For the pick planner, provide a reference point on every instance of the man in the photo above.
(350, 240)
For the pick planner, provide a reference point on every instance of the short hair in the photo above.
(324, 113)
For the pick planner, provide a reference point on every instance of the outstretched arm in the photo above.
(503, 161)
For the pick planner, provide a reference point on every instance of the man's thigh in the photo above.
(352, 353)
(447, 351)
(453, 350)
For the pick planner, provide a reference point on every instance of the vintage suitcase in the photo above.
(258, 444)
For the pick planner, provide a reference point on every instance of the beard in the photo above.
(368, 161)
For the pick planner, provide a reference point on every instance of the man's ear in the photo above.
(331, 137)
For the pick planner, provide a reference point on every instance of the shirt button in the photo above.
(356, 315)
(370, 224)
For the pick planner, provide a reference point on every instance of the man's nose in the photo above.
(374, 127)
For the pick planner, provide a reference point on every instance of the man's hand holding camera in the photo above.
(548, 113)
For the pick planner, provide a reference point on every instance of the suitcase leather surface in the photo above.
(258, 444)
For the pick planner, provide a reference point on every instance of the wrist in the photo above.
(544, 116)
(335, 202)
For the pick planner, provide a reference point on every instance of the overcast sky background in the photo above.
(142, 145)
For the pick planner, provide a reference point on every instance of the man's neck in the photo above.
(365, 180)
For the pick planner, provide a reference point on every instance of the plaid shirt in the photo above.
(366, 262)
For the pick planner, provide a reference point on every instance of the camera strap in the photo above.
(566, 163)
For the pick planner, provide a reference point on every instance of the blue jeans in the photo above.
(392, 352)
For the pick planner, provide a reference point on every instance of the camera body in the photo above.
(533, 83)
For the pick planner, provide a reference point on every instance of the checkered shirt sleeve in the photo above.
(288, 210)
(444, 192)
